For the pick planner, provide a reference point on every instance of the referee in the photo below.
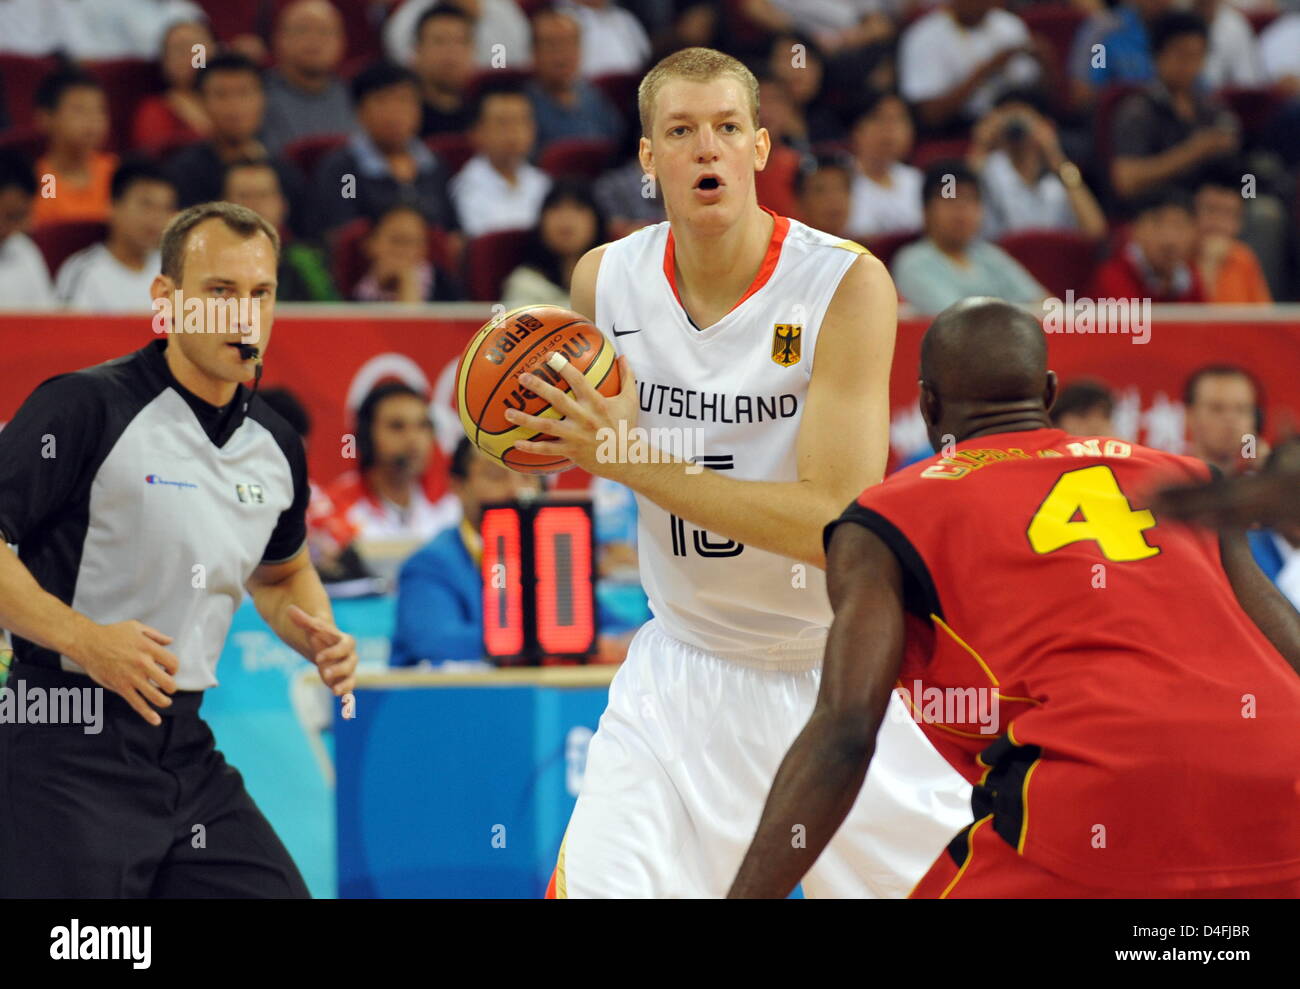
(145, 495)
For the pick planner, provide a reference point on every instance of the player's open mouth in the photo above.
(708, 188)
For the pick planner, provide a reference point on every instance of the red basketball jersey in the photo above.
(1088, 666)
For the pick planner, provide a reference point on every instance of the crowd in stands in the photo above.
(410, 150)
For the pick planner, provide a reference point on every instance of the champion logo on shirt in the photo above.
(155, 479)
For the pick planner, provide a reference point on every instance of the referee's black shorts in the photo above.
(133, 811)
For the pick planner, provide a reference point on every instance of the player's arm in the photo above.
(582, 286)
(1259, 598)
(843, 439)
(292, 600)
(822, 773)
(1269, 499)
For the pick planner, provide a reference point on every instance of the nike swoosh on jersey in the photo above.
(623, 333)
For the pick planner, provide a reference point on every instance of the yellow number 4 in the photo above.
(1087, 505)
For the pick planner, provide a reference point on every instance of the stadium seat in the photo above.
(489, 259)
(126, 82)
(1059, 259)
(1254, 107)
(349, 261)
(885, 246)
(452, 149)
(926, 153)
(306, 152)
(231, 18)
(620, 89)
(516, 76)
(1057, 22)
(1260, 19)
(27, 141)
(59, 241)
(578, 156)
(774, 185)
(20, 75)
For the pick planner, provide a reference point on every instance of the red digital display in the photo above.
(503, 593)
(562, 560)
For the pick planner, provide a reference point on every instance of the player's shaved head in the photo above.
(984, 369)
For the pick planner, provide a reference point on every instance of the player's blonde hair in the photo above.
(694, 65)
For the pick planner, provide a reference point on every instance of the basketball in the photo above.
(487, 378)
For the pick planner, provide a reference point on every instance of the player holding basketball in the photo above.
(1146, 738)
(773, 340)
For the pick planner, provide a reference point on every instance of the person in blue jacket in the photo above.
(439, 589)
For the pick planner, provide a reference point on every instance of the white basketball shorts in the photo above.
(682, 763)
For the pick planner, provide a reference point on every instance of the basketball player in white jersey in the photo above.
(775, 341)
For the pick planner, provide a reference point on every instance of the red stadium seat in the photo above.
(306, 152)
(20, 75)
(490, 259)
(1254, 107)
(1059, 259)
(620, 89)
(452, 149)
(349, 258)
(27, 141)
(928, 152)
(231, 18)
(1260, 19)
(1057, 22)
(59, 241)
(579, 156)
(126, 82)
(885, 246)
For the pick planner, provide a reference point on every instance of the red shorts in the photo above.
(993, 870)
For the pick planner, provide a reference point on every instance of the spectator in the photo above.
(74, 174)
(856, 35)
(613, 40)
(1170, 133)
(176, 116)
(498, 189)
(1112, 47)
(1277, 550)
(115, 275)
(1279, 47)
(443, 578)
(955, 61)
(796, 62)
(783, 120)
(501, 38)
(1157, 262)
(102, 29)
(304, 96)
(303, 274)
(1167, 132)
(1222, 403)
(24, 279)
(1229, 270)
(825, 195)
(1028, 182)
(569, 226)
(400, 270)
(886, 191)
(231, 89)
(384, 163)
(444, 64)
(564, 104)
(385, 499)
(1233, 58)
(951, 262)
(1084, 408)
(626, 194)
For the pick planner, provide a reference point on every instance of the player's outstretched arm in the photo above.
(822, 773)
(1267, 499)
(1259, 598)
(843, 439)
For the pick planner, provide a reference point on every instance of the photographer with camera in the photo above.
(1028, 181)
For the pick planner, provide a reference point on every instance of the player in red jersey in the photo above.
(1143, 712)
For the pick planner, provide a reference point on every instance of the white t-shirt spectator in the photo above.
(613, 40)
(1011, 203)
(1233, 56)
(486, 202)
(24, 279)
(1279, 48)
(936, 55)
(91, 30)
(828, 15)
(877, 209)
(92, 280)
(500, 22)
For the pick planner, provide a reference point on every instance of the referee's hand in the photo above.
(129, 659)
(334, 652)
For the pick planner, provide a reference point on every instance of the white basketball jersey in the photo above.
(732, 396)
